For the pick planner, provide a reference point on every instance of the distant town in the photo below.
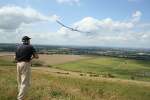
(131, 53)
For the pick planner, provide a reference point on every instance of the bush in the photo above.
(37, 63)
(49, 66)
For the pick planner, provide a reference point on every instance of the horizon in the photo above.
(113, 47)
(101, 23)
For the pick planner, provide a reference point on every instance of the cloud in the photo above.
(109, 32)
(107, 24)
(136, 16)
(12, 17)
(92, 27)
(70, 2)
(54, 18)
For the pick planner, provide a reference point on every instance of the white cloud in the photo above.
(109, 32)
(93, 27)
(97, 26)
(136, 16)
(70, 2)
(12, 17)
(54, 18)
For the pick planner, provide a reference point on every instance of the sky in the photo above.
(108, 23)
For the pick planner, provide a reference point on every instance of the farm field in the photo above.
(67, 80)
(110, 66)
(59, 59)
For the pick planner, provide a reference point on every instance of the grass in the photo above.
(100, 66)
(117, 67)
(7, 61)
(46, 86)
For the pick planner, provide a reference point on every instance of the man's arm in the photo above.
(35, 56)
(34, 53)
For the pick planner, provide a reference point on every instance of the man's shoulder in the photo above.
(31, 46)
(24, 46)
(18, 45)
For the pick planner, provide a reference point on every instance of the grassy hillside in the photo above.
(115, 67)
(46, 86)
(49, 86)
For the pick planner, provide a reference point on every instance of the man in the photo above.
(24, 54)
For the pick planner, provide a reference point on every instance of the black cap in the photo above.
(26, 38)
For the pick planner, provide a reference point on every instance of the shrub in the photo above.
(37, 63)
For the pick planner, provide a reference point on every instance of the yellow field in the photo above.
(59, 59)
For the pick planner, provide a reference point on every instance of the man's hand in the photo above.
(15, 59)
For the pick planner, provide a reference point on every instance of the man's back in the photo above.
(24, 52)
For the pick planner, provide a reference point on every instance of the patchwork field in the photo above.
(59, 59)
(75, 81)
(109, 66)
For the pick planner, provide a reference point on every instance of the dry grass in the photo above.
(48, 60)
(48, 86)
(6, 53)
(59, 59)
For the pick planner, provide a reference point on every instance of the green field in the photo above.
(115, 67)
(48, 86)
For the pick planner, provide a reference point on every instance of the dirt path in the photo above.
(55, 71)
(59, 72)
